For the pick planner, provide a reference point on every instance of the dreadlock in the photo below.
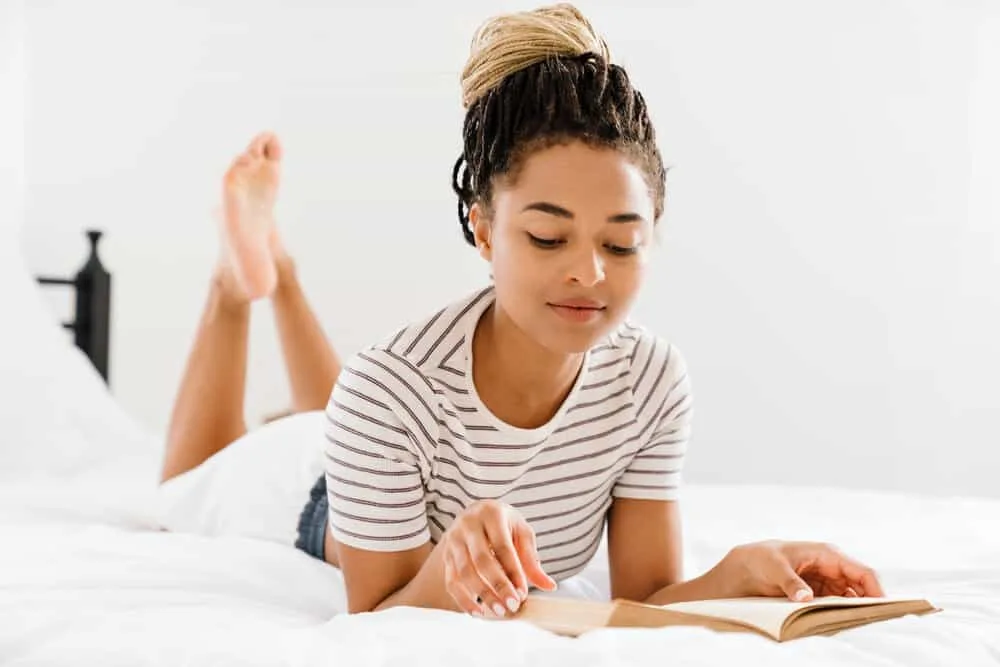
(541, 78)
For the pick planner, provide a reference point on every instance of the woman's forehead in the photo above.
(577, 173)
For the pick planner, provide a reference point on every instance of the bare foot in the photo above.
(250, 189)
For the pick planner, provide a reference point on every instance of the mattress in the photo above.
(86, 577)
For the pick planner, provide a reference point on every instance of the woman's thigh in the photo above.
(256, 487)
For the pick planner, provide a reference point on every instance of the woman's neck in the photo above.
(520, 381)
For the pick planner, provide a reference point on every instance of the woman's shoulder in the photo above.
(648, 357)
(425, 344)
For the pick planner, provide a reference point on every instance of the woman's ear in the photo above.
(482, 230)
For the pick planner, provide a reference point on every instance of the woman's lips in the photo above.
(580, 311)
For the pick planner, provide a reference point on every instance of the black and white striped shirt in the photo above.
(410, 444)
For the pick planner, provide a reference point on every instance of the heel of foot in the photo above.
(257, 282)
(252, 261)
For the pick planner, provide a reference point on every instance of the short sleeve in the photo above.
(373, 462)
(655, 471)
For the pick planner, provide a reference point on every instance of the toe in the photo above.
(260, 146)
(239, 165)
(273, 149)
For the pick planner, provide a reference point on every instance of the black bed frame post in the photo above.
(93, 308)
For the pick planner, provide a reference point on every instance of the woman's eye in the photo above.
(622, 250)
(545, 243)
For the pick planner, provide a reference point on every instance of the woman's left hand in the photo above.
(797, 570)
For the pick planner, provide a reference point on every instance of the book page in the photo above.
(768, 614)
(565, 616)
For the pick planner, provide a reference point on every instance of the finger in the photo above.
(460, 593)
(465, 546)
(862, 578)
(823, 586)
(494, 585)
(781, 574)
(835, 587)
(820, 586)
(498, 532)
(466, 599)
(470, 579)
(831, 563)
(524, 542)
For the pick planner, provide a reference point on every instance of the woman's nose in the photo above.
(587, 267)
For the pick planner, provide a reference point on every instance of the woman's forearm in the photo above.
(427, 589)
(715, 584)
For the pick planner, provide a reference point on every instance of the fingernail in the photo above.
(512, 604)
(477, 612)
(498, 609)
(801, 595)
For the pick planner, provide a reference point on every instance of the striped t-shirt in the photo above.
(410, 444)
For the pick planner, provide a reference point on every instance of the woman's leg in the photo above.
(310, 361)
(312, 366)
(208, 410)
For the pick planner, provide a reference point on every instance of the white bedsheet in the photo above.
(84, 580)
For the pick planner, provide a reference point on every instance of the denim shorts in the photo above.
(312, 521)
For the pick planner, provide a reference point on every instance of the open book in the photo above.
(777, 618)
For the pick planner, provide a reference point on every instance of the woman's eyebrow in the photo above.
(560, 212)
(551, 209)
(627, 217)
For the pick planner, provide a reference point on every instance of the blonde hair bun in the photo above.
(508, 43)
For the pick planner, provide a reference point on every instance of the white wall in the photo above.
(830, 255)
(11, 118)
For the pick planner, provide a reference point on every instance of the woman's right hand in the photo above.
(490, 558)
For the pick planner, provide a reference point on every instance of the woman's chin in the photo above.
(573, 341)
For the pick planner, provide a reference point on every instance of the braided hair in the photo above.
(538, 79)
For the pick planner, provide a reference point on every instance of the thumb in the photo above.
(524, 542)
(791, 583)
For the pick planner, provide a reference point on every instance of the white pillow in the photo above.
(56, 414)
(256, 487)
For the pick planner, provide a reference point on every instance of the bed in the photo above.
(88, 575)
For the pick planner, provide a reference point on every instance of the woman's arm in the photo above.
(487, 553)
(644, 548)
(644, 527)
(379, 450)
(645, 553)
(380, 580)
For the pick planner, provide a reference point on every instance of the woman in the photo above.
(482, 451)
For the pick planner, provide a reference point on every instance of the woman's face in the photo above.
(568, 243)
